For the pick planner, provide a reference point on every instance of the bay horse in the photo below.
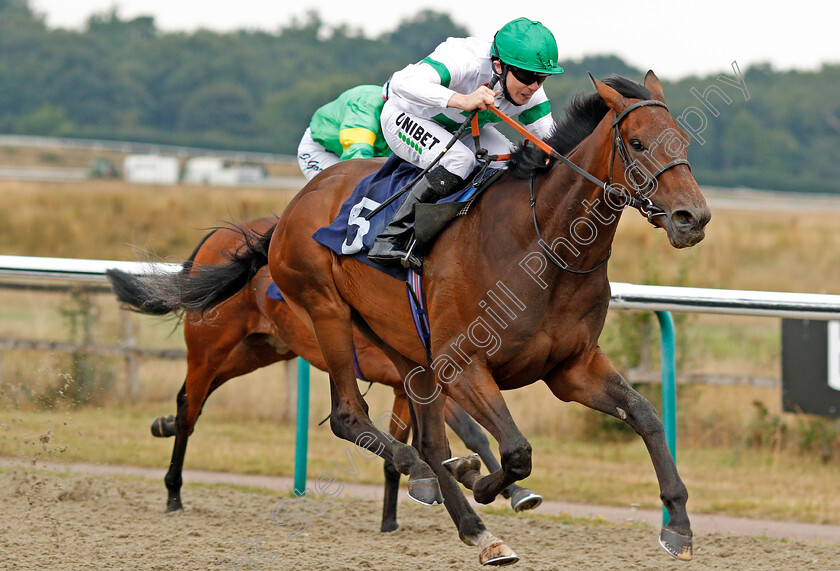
(251, 331)
(516, 291)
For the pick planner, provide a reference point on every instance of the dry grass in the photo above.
(115, 220)
(64, 158)
(794, 250)
(82, 158)
(779, 250)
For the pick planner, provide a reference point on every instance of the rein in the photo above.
(547, 250)
(643, 203)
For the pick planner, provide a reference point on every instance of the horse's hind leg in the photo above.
(430, 439)
(197, 387)
(211, 361)
(165, 426)
(183, 427)
(349, 415)
(594, 382)
(474, 438)
(399, 430)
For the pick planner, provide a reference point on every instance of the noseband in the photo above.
(642, 201)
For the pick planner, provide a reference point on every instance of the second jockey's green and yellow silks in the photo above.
(349, 125)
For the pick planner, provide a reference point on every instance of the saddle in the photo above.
(431, 219)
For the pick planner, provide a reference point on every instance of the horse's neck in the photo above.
(576, 220)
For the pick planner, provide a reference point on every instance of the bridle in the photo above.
(642, 202)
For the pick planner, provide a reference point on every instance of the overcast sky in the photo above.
(674, 39)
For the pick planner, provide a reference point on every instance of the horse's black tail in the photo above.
(196, 288)
(137, 293)
(140, 293)
(201, 288)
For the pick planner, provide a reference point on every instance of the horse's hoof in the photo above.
(389, 526)
(525, 499)
(678, 546)
(425, 491)
(161, 426)
(174, 506)
(460, 466)
(497, 554)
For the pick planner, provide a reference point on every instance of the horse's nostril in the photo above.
(683, 218)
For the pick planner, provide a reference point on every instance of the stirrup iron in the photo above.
(404, 261)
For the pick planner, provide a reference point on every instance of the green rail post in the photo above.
(669, 388)
(302, 428)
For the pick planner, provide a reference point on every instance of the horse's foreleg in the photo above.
(349, 414)
(477, 392)
(476, 440)
(595, 383)
(399, 430)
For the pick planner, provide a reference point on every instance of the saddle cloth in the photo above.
(351, 235)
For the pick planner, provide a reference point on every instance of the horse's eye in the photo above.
(637, 145)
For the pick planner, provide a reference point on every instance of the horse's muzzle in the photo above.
(686, 226)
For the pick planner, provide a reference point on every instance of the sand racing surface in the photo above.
(87, 521)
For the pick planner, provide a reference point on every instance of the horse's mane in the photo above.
(581, 115)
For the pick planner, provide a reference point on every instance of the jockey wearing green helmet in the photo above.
(429, 100)
(527, 50)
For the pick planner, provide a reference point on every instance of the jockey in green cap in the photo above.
(346, 128)
(429, 100)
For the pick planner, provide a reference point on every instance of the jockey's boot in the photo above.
(389, 248)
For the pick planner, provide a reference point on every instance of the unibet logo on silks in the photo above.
(414, 135)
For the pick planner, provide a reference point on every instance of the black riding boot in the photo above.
(389, 249)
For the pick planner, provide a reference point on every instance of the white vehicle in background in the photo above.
(220, 172)
(151, 169)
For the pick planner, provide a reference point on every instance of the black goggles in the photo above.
(528, 77)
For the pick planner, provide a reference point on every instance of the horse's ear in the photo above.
(654, 86)
(616, 101)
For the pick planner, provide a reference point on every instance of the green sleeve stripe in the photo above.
(485, 117)
(441, 70)
(446, 122)
(536, 112)
(358, 151)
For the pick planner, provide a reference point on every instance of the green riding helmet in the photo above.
(527, 45)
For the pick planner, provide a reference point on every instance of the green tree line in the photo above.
(255, 90)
